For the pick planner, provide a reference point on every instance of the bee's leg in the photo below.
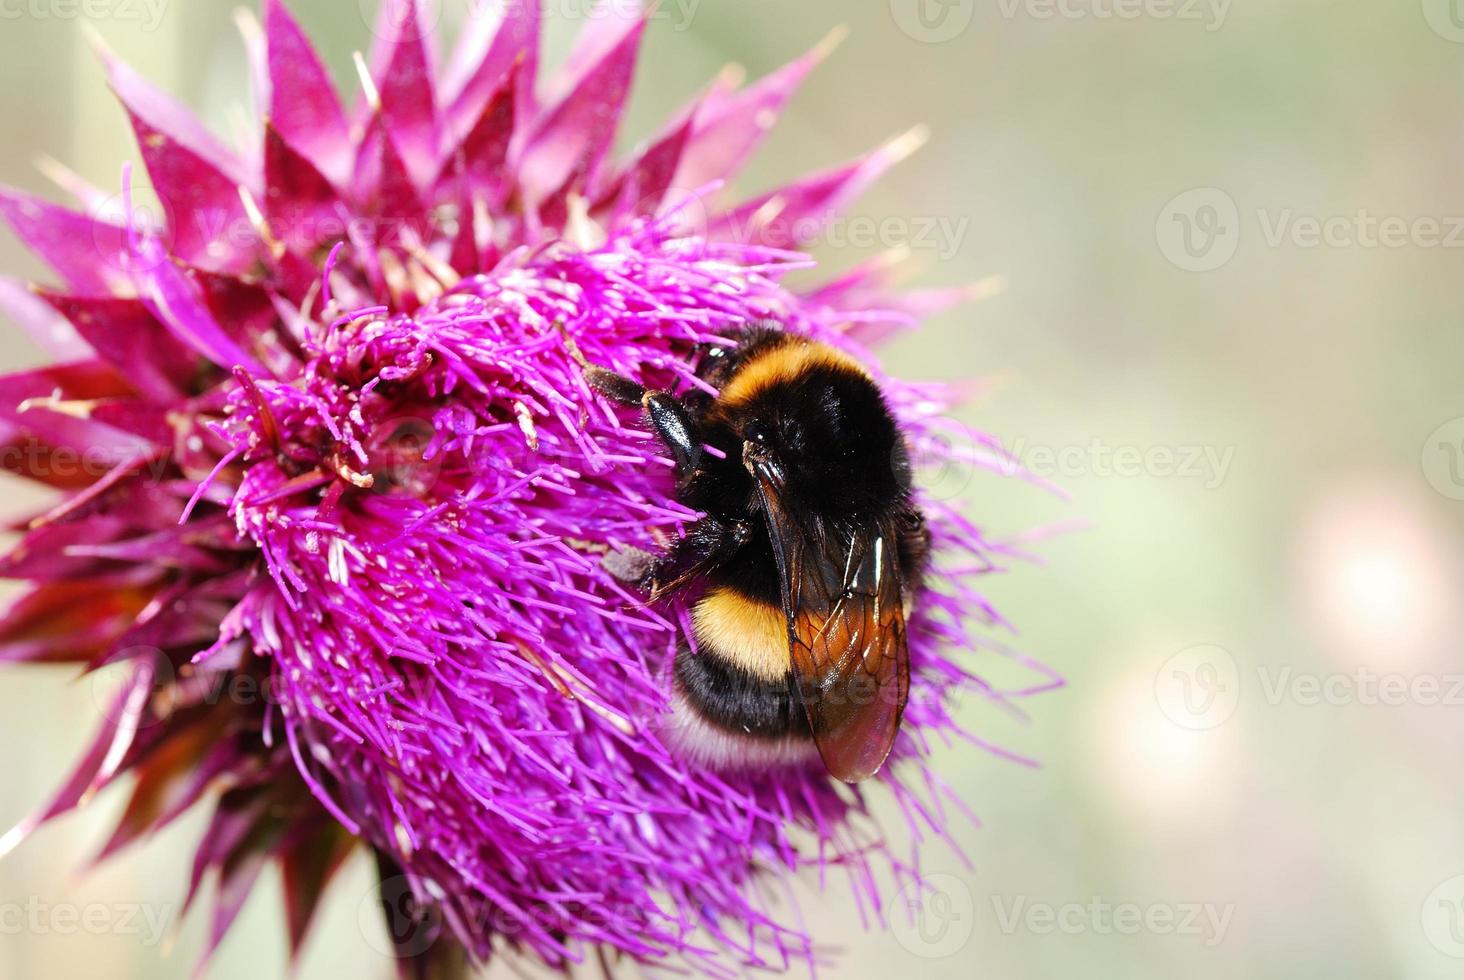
(668, 416)
(616, 387)
(673, 424)
(706, 543)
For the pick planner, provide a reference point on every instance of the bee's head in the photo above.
(814, 426)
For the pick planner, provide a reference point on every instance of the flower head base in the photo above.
(350, 456)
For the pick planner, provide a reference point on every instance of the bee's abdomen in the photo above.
(740, 679)
(725, 696)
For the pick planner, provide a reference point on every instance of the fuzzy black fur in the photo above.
(846, 468)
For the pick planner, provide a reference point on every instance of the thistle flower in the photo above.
(351, 505)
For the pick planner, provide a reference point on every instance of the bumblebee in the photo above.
(808, 556)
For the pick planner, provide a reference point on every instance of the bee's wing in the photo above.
(846, 629)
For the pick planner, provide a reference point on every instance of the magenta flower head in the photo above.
(336, 495)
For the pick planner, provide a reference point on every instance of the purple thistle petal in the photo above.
(788, 217)
(246, 310)
(204, 211)
(125, 333)
(486, 53)
(44, 553)
(408, 102)
(730, 128)
(304, 106)
(301, 206)
(51, 403)
(567, 144)
(163, 115)
(482, 157)
(169, 783)
(23, 304)
(307, 864)
(384, 185)
(176, 302)
(101, 760)
(643, 186)
(195, 177)
(66, 622)
(88, 253)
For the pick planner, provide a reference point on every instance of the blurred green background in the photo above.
(1232, 236)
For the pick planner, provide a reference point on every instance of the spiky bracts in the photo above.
(343, 457)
